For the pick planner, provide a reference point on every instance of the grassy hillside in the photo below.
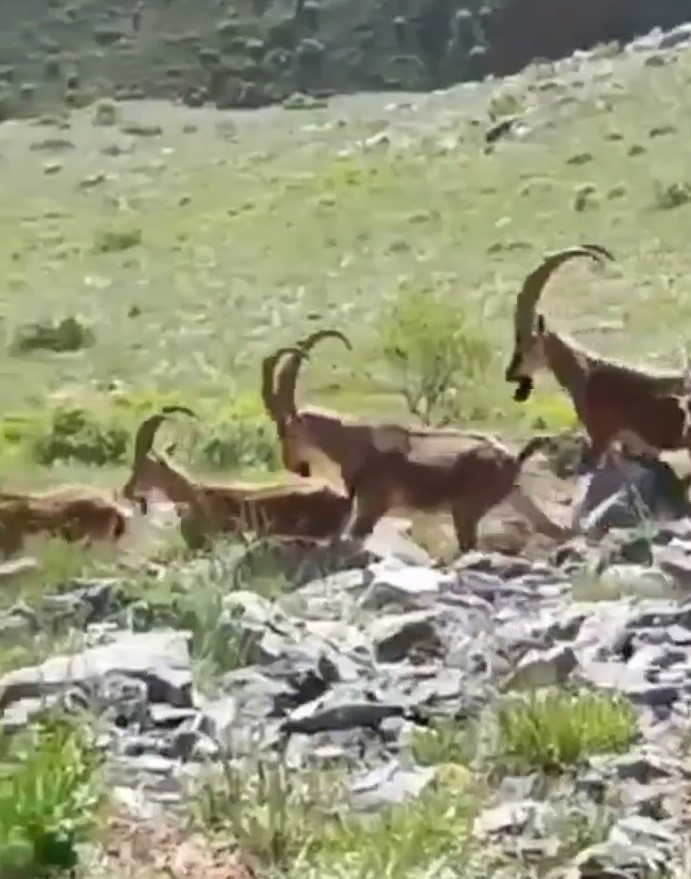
(153, 252)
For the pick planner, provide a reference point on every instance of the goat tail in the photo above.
(536, 444)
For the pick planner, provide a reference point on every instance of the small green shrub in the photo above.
(8, 104)
(200, 603)
(117, 240)
(441, 357)
(235, 437)
(550, 730)
(67, 334)
(105, 113)
(50, 793)
(667, 196)
(73, 434)
(274, 817)
(238, 443)
(444, 742)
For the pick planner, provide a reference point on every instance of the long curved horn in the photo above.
(534, 283)
(267, 386)
(288, 376)
(146, 433)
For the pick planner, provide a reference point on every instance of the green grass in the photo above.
(198, 251)
(298, 825)
(249, 241)
(50, 796)
(553, 730)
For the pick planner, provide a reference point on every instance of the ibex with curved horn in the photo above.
(389, 466)
(307, 509)
(611, 399)
(72, 512)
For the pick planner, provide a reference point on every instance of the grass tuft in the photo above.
(552, 730)
(50, 797)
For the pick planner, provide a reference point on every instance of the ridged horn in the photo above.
(267, 386)
(146, 433)
(288, 376)
(534, 283)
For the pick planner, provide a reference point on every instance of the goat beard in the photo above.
(524, 389)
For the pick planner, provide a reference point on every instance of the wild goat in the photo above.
(307, 508)
(73, 512)
(279, 398)
(659, 421)
(388, 466)
(538, 347)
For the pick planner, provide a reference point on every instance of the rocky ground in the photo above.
(538, 710)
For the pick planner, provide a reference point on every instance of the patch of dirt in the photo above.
(133, 848)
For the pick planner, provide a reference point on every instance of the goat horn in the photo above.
(267, 387)
(534, 283)
(146, 433)
(287, 379)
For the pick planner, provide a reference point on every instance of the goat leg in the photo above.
(369, 509)
(465, 526)
(540, 521)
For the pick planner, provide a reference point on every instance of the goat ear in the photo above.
(540, 325)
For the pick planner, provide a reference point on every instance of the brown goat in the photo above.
(73, 512)
(616, 403)
(279, 402)
(389, 466)
(426, 474)
(307, 508)
(538, 347)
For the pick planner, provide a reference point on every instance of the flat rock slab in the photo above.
(160, 660)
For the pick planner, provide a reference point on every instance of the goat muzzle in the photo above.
(524, 382)
(524, 389)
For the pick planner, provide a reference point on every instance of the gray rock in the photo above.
(396, 636)
(604, 498)
(84, 601)
(614, 860)
(18, 567)
(389, 540)
(389, 785)
(646, 832)
(546, 668)
(679, 35)
(408, 588)
(159, 659)
(514, 818)
(643, 765)
(340, 717)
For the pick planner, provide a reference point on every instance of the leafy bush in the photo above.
(105, 113)
(67, 334)
(116, 240)
(551, 730)
(235, 437)
(444, 742)
(237, 443)
(49, 797)
(667, 196)
(440, 355)
(74, 435)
